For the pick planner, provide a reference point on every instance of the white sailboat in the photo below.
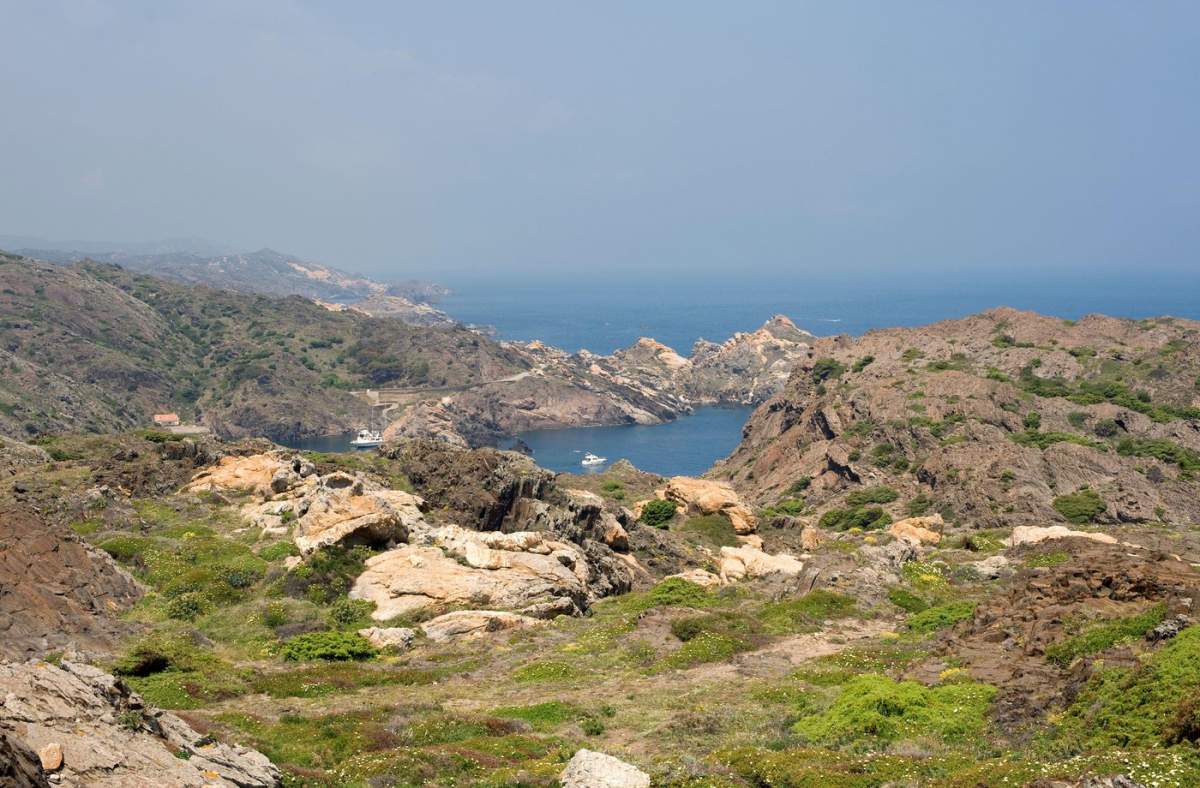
(366, 439)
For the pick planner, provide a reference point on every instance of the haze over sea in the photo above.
(605, 315)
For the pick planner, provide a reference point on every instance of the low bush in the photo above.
(658, 513)
(873, 709)
(826, 369)
(864, 518)
(941, 616)
(330, 646)
(1104, 635)
(877, 494)
(1082, 506)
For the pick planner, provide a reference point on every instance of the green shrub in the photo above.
(1146, 706)
(275, 552)
(658, 513)
(1077, 419)
(862, 363)
(918, 505)
(1098, 637)
(723, 623)
(1032, 420)
(188, 607)
(826, 369)
(941, 616)
(1083, 506)
(541, 716)
(877, 494)
(794, 615)
(1160, 449)
(1106, 428)
(798, 487)
(1044, 440)
(844, 519)
(907, 600)
(351, 613)
(545, 671)
(705, 647)
(712, 529)
(873, 709)
(331, 646)
(327, 574)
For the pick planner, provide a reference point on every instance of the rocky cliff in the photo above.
(646, 383)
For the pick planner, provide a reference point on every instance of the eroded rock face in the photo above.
(704, 496)
(103, 735)
(55, 589)
(524, 571)
(590, 769)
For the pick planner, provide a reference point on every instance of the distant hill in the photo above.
(95, 347)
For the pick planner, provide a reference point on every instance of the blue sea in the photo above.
(604, 315)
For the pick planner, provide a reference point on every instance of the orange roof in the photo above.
(164, 418)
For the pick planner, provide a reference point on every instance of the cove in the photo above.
(687, 446)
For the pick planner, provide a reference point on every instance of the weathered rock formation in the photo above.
(474, 623)
(90, 730)
(526, 572)
(55, 589)
(705, 496)
(591, 769)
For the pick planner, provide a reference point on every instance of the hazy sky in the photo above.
(437, 138)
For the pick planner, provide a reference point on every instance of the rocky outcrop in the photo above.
(20, 767)
(740, 563)
(922, 530)
(55, 589)
(705, 496)
(341, 511)
(263, 475)
(1032, 534)
(15, 456)
(525, 572)
(988, 420)
(590, 769)
(474, 623)
(101, 734)
(646, 383)
(398, 638)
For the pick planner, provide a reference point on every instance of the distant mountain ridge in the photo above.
(265, 272)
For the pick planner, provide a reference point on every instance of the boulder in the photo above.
(474, 623)
(261, 474)
(338, 512)
(704, 496)
(738, 563)
(91, 730)
(812, 537)
(700, 577)
(1034, 534)
(51, 756)
(461, 568)
(590, 769)
(922, 530)
(399, 638)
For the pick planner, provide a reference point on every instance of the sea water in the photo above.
(687, 446)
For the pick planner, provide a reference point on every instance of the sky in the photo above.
(559, 139)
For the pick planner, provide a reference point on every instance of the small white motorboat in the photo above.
(366, 439)
(592, 459)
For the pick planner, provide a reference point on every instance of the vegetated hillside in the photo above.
(266, 272)
(93, 347)
(423, 643)
(1000, 419)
